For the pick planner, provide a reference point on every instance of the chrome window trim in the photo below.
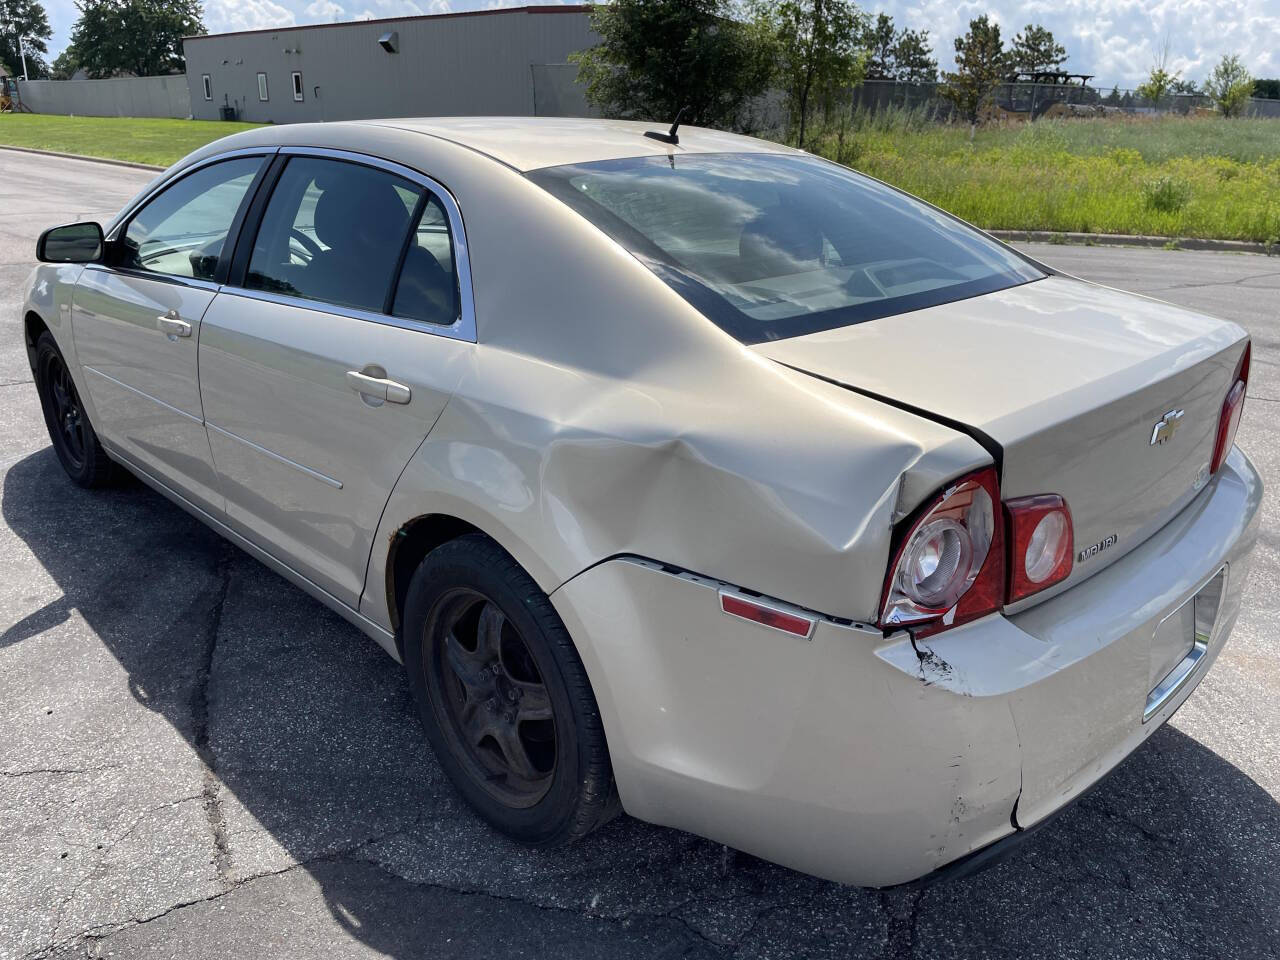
(464, 328)
(158, 185)
(193, 282)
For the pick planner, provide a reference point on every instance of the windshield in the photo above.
(770, 246)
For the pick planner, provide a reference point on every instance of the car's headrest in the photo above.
(344, 209)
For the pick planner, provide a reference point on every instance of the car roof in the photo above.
(529, 143)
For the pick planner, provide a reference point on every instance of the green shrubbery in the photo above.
(1168, 176)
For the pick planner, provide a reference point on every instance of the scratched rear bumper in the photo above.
(867, 761)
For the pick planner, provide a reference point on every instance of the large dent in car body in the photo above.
(602, 415)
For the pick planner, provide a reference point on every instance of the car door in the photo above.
(330, 355)
(136, 323)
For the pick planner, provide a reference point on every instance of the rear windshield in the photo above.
(770, 246)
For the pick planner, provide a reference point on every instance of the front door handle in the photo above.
(173, 326)
(378, 388)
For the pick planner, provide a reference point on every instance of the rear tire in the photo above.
(74, 440)
(503, 696)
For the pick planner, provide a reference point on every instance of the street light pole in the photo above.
(23, 54)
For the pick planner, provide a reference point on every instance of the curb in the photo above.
(78, 156)
(1126, 240)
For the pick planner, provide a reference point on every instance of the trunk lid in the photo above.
(1070, 380)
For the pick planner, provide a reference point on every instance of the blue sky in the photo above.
(1116, 40)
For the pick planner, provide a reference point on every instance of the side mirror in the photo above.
(71, 243)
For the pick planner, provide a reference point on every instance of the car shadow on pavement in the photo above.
(318, 779)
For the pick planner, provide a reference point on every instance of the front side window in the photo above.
(770, 246)
(262, 86)
(181, 233)
(333, 231)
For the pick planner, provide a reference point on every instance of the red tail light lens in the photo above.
(1042, 544)
(949, 567)
(1232, 407)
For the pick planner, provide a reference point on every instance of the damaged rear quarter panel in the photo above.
(602, 415)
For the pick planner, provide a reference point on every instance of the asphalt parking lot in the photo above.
(198, 760)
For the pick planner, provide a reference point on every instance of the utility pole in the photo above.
(23, 54)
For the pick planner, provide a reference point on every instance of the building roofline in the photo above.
(496, 11)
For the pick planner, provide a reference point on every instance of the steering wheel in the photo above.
(312, 248)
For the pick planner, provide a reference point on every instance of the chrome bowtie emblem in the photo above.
(1165, 427)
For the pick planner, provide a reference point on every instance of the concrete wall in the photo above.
(121, 97)
(499, 63)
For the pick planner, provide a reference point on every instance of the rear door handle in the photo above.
(172, 325)
(379, 388)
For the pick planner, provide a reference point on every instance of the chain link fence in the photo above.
(1030, 101)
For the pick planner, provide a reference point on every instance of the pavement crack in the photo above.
(15, 383)
(57, 771)
(200, 706)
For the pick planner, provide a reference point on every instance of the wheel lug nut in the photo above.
(509, 717)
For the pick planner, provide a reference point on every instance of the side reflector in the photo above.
(737, 605)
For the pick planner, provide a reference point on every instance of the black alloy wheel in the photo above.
(503, 696)
(497, 712)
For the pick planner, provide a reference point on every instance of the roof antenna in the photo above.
(670, 136)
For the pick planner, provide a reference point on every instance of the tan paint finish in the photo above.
(143, 382)
(600, 418)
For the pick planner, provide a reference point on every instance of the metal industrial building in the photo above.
(503, 62)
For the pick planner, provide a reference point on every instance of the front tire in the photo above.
(503, 696)
(74, 440)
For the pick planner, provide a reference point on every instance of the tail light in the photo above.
(1232, 407)
(1041, 544)
(949, 568)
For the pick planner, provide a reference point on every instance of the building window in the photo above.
(208, 86)
(262, 86)
(297, 86)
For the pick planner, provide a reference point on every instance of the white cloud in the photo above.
(222, 16)
(1117, 40)
(325, 10)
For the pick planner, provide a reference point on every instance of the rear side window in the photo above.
(333, 231)
(770, 246)
(181, 232)
(428, 286)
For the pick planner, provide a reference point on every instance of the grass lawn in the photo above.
(1168, 176)
(160, 142)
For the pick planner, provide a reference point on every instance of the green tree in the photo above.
(1230, 86)
(819, 59)
(1267, 89)
(25, 19)
(1113, 98)
(982, 64)
(913, 57)
(1035, 50)
(1160, 80)
(659, 56)
(64, 65)
(879, 40)
(139, 37)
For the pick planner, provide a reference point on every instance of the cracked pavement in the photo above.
(198, 760)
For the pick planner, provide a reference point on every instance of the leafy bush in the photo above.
(1166, 194)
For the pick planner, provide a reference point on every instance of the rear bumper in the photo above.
(863, 760)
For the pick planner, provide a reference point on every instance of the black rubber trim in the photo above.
(987, 442)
